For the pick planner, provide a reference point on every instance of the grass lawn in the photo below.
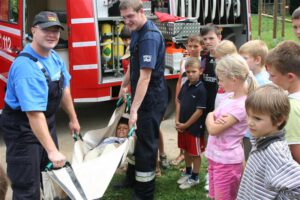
(166, 186)
(267, 30)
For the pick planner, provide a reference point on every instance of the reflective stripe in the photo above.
(84, 67)
(0, 111)
(3, 78)
(144, 176)
(82, 20)
(10, 30)
(7, 56)
(84, 44)
(99, 99)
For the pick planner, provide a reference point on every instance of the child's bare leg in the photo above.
(196, 161)
(188, 159)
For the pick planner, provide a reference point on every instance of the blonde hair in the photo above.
(255, 48)
(224, 48)
(275, 104)
(136, 5)
(195, 38)
(193, 62)
(235, 66)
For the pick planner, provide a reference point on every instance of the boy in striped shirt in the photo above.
(271, 172)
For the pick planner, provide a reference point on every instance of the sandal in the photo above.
(177, 160)
(163, 161)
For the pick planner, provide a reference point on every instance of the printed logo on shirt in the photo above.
(193, 96)
(208, 78)
(147, 58)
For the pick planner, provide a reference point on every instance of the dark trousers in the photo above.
(25, 157)
(146, 153)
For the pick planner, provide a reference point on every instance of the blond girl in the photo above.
(226, 126)
(223, 48)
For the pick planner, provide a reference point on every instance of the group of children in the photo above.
(244, 108)
(239, 98)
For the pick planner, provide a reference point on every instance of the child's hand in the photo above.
(179, 130)
(181, 126)
(222, 119)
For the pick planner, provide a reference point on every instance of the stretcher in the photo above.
(90, 179)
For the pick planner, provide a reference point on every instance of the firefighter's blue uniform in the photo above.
(148, 51)
(32, 86)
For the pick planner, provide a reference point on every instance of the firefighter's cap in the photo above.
(46, 19)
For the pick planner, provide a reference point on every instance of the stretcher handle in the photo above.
(75, 138)
(49, 166)
(131, 131)
(128, 102)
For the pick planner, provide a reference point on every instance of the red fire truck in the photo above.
(90, 44)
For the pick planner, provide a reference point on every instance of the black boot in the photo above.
(129, 180)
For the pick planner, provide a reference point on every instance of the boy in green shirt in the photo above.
(283, 65)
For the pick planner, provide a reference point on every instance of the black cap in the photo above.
(46, 19)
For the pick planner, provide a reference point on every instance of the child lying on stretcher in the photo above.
(110, 143)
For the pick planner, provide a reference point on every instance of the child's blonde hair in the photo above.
(193, 62)
(275, 103)
(224, 48)
(195, 38)
(235, 66)
(255, 48)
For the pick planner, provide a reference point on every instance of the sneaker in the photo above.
(206, 187)
(184, 177)
(163, 161)
(189, 183)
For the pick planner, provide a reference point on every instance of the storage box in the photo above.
(147, 8)
(173, 60)
(172, 30)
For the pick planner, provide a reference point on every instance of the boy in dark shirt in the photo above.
(211, 35)
(190, 122)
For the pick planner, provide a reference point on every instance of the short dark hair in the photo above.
(296, 14)
(210, 27)
(275, 104)
(123, 120)
(125, 33)
(285, 58)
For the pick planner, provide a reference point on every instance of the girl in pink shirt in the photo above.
(227, 126)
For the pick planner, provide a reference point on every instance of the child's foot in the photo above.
(189, 183)
(206, 187)
(184, 177)
(177, 160)
(158, 172)
(163, 161)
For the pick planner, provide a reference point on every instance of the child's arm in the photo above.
(216, 127)
(198, 113)
(177, 104)
(284, 179)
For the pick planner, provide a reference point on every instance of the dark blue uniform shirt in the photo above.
(147, 48)
(192, 97)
